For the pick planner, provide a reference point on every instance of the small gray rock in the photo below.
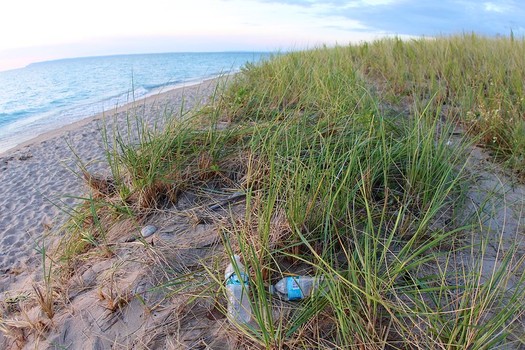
(148, 230)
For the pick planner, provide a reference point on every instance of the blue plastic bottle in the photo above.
(296, 287)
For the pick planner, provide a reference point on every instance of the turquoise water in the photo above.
(47, 95)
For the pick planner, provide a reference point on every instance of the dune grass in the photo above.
(363, 195)
(475, 81)
(340, 181)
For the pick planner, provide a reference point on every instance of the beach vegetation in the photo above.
(350, 163)
(474, 81)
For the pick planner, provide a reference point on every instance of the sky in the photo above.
(37, 30)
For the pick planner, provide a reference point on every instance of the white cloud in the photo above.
(493, 7)
(368, 3)
(378, 2)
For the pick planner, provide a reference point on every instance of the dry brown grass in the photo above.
(101, 185)
(46, 299)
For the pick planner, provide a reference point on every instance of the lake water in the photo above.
(47, 95)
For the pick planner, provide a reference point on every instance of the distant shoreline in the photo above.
(141, 54)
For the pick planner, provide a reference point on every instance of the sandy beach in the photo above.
(38, 178)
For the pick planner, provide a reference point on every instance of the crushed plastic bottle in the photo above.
(296, 287)
(237, 287)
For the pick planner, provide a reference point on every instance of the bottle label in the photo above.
(235, 280)
(294, 290)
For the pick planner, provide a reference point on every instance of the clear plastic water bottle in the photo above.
(296, 287)
(237, 287)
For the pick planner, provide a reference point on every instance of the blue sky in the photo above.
(36, 30)
(428, 18)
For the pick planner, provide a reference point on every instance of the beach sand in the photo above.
(109, 300)
(37, 179)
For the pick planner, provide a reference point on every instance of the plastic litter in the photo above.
(296, 287)
(237, 288)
